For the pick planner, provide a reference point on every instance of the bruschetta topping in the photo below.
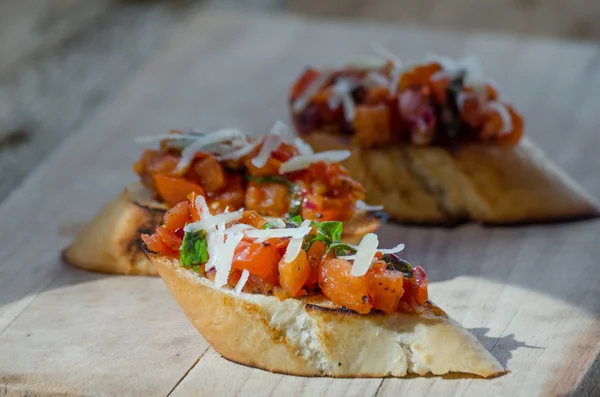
(288, 258)
(433, 102)
(277, 175)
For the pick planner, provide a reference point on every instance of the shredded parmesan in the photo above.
(276, 221)
(313, 88)
(341, 92)
(239, 153)
(386, 54)
(208, 223)
(375, 79)
(364, 254)
(504, 114)
(361, 205)
(213, 241)
(202, 206)
(158, 138)
(296, 232)
(293, 249)
(304, 148)
(271, 143)
(302, 162)
(225, 258)
(187, 154)
(395, 250)
(242, 281)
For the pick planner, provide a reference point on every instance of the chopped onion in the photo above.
(302, 162)
(187, 154)
(361, 205)
(242, 281)
(225, 258)
(364, 255)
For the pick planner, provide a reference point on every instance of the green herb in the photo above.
(450, 113)
(296, 220)
(273, 179)
(395, 263)
(329, 233)
(342, 249)
(270, 225)
(193, 250)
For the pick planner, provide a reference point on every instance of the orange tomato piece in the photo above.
(418, 76)
(194, 213)
(156, 244)
(253, 219)
(270, 199)
(177, 217)
(270, 168)
(293, 275)
(210, 173)
(303, 82)
(372, 125)
(260, 259)
(386, 287)
(173, 189)
(344, 289)
(517, 128)
(169, 238)
(232, 196)
(315, 256)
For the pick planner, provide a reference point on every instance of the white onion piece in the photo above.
(242, 282)
(302, 162)
(187, 154)
(225, 258)
(361, 205)
(364, 255)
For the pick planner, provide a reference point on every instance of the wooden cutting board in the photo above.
(530, 294)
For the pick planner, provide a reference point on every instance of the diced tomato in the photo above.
(372, 125)
(156, 244)
(174, 189)
(260, 259)
(253, 219)
(293, 275)
(386, 287)
(315, 256)
(377, 95)
(270, 199)
(285, 152)
(232, 196)
(210, 173)
(342, 288)
(177, 217)
(256, 285)
(517, 128)
(194, 213)
(418, 76)
(270, 168)
(169, 238)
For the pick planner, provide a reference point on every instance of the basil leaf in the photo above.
(329, 232)
(395, 263)
(296, 220)
(193, 249)
(342, 249)
(273, 179)
(270, 225)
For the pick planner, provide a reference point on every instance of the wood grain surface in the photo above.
(530, 294)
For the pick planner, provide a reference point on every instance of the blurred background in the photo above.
(61, 59)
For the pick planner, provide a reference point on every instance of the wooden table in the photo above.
(530, 294)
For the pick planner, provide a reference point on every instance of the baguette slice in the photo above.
(312, 337)
(111, 242)
(483, 183)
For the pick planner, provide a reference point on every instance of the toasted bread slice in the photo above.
(312, 337)
(111, 242)
(484, 183)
